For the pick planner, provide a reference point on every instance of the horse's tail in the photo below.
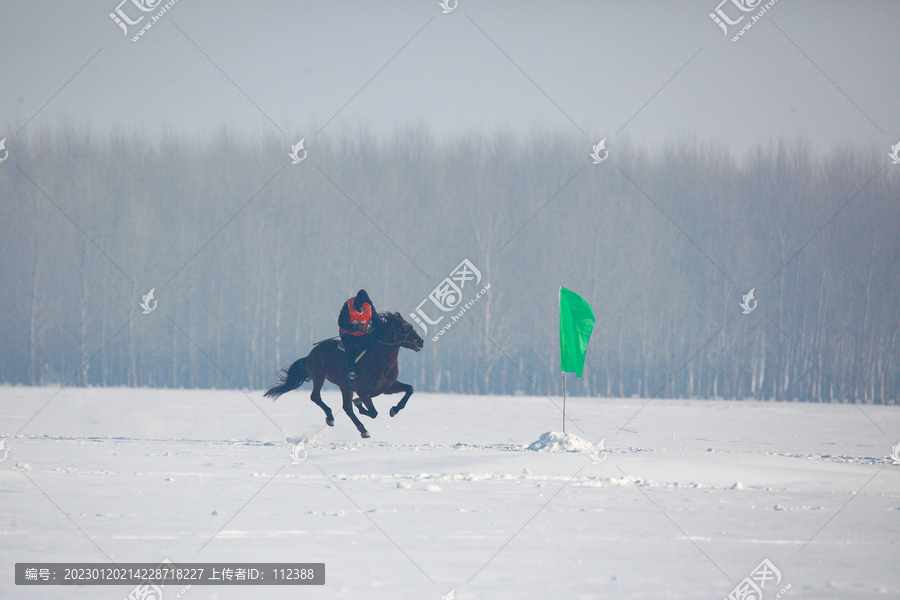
(289, 380)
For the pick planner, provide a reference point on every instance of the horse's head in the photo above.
(395, 330)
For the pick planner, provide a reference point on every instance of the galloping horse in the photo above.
(377, 370)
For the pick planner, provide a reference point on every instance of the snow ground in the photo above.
(447, 496)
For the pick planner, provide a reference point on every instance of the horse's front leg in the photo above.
(365, 406)
(348, 408)
(398, 387)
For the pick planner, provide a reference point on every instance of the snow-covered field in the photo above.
(690, 498)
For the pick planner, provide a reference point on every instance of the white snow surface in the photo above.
(691, 495)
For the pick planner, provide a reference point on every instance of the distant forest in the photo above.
(251, 257)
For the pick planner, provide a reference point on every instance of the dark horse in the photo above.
(377, 370)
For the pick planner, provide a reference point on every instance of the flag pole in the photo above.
(564, 401)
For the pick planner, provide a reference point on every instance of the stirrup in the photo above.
(340, 346)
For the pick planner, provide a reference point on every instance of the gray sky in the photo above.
(648, 71)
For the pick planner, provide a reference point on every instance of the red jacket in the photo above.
(355, 322)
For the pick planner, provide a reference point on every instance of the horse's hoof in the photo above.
(365, 434)
(329, 422)
(394, 411)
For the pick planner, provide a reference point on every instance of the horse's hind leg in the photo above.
(317, 398)
(348, 408)
(396, 388)
(365, 407)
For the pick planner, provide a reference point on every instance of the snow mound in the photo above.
(554, 441)
(309, 437)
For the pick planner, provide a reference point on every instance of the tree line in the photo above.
(251, 257)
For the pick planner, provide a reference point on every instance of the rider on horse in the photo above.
(355, 323)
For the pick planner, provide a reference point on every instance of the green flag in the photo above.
(576, 322)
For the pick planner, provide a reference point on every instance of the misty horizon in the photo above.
(644, 74)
